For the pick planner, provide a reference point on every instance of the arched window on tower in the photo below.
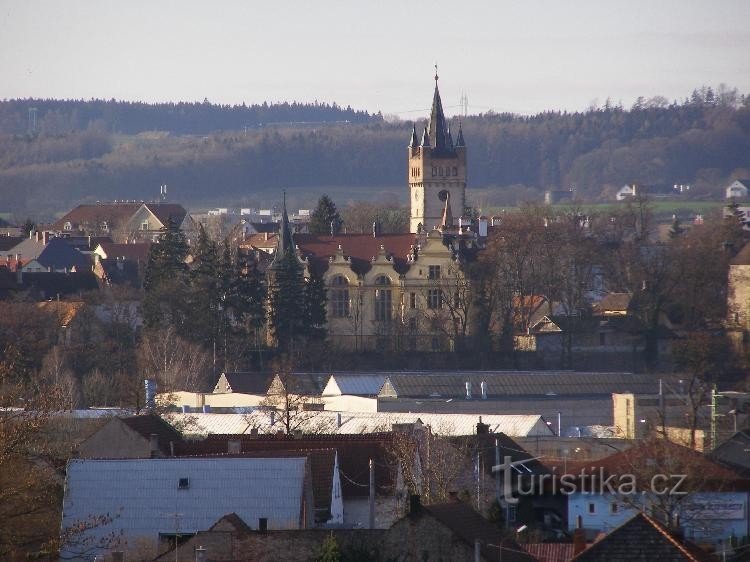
(383, 299)
(339, 297)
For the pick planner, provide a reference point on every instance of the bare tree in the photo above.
(294, 409)
(176, 363)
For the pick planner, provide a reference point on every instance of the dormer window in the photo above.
(105, 226)
(68, 226)
(144, 225)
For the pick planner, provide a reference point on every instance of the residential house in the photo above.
(140, 506)
(641, 537)
(349, 454)
(430, 532)
(558, 196)
(655, 191)
(244, 383)
(450, 531)
(58, 256)
(134, 437)
(711, 503)
(26, 250)
(56, 285)
(734, 453)
(737, 189)
(124, 221)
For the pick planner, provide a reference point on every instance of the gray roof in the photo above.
(575, 411)
(516, 383)
(364, 384)
(142, 495)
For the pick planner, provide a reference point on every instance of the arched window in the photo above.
(339, 297)
(383, 299)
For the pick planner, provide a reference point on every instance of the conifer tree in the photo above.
(166, 279)
(316, 298)
(247, 294)
(288, 312)
(325, 218)
(205, 298)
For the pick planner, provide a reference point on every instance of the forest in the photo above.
(210, 155)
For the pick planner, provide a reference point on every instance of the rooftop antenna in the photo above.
(464, 104)
(32, 120)
(163, 192)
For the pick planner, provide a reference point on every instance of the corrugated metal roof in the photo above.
(521, 383)
(354, 385)
(143, 495)
(358, 422)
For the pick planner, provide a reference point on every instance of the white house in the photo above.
(737, 189)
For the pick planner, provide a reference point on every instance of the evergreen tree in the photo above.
(287, 301)
(329, 550)
(166, 280)
(316, 298)
(205, 297)
(247, 294)
(325, 218)
(677, 229)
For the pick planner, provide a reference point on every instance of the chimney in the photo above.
(273, 416)
(415, 504)
(483, 386)
(45, 237)
(150, 385)
(482, 428)
(234, 446)
(37, 236)
(154, 443)
(468, 390)
(262, 524)
(579, 541)
(483, 227)
(338, 419)
(254, 432)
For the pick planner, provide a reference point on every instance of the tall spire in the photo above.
(438, 126)
(285, 244)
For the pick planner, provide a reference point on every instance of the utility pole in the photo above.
(372, 495)
(714, 397)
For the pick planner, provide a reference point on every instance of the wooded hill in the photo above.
(88, 151)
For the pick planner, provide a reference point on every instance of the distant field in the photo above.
(682, 208)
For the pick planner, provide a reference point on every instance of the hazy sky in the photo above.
(522, 56)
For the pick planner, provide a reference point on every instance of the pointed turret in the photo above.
(449, 139)
(414, 142)
(285, 244)
(460, 138)
(425, 138)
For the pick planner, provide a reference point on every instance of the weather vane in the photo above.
(436, 74)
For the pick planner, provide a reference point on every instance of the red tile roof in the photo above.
(132, 252)
(360, 248)
(115, 214)
(550, 552)
(165, 211)
(354, 454)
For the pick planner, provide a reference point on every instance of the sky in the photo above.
(518, 56)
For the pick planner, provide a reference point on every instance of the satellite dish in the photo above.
(443, 195)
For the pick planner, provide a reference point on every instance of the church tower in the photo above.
(437, 170)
